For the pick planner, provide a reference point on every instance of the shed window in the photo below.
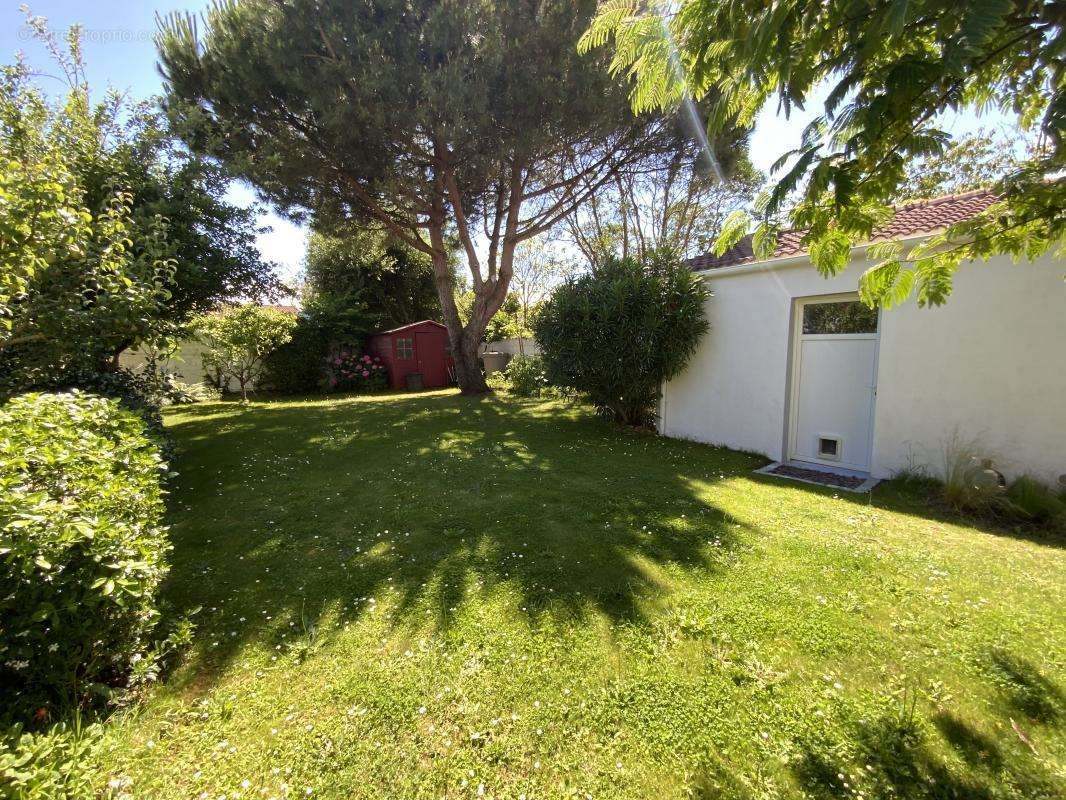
(405, 349)
(839, 318)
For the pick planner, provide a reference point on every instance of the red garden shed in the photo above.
(416, 355)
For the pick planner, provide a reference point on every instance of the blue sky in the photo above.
(119, 52)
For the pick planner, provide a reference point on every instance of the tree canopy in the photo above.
(77, 277)
(477, 120)
(238, 339)
(361, 265)
(892, 68)
(975, 161)
(111, 233)
(674, 201)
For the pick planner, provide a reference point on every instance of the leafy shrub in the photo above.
(135, 391)
(82, 548)
(350, 372)
(525, 376)
(620, 331)
(52, 765)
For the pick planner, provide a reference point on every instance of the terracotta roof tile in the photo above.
(926, 216)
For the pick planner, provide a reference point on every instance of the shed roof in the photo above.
(910, 219)
(410, 325)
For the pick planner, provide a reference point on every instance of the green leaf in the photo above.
(831, 252)
(733, 230)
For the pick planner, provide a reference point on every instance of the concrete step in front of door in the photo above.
(843, 479)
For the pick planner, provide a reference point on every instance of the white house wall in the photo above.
(989, 365)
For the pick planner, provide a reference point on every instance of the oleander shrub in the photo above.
(82, 547)
(620, 331)
(524, 376)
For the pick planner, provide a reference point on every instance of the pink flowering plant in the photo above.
(354, 372)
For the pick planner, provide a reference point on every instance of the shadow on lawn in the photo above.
(285, 513)
(899, 754)
(895, 758)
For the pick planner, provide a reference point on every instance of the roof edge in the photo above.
(411, 325)
(785, 261)
(945, 212)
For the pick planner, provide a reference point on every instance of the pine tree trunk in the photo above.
(464, 340)
(467, 365)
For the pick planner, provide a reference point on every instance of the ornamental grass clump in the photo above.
(82, 548)
(620, 331)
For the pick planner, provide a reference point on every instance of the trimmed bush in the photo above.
(136, 391)
(618, 332)
(82, 547)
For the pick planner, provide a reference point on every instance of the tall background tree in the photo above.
(977, 160)
(538, 268)
(892, 67)
(111, 233)
(678, 199)
(364, 265)
(477, 120)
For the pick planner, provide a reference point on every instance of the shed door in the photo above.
(834, 382)
(430, 352)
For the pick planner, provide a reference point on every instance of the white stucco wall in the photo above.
(990, 364)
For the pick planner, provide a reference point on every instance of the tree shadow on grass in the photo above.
(894, 758)
(898, 755)
(977, 748)
(284, 513)
(1023, 689)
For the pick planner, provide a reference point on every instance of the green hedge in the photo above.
(82, 547)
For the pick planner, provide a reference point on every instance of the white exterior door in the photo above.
(834, 382)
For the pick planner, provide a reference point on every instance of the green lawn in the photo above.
(433, 596)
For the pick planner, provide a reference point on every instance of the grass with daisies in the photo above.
(431, 596)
